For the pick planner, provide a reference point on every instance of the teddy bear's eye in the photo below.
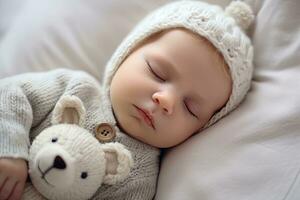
(54, 140)
(84, 175)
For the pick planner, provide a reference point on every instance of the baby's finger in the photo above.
(7, 189)
(17, 192)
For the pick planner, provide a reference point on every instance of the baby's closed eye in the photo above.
(156, 74)
(190, 109)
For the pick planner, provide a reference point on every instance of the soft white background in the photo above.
(254, 153)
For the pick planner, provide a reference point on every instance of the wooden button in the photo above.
(105, 132)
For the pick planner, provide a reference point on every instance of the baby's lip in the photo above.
(148, 118)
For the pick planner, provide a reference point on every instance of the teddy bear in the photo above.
(67, 162)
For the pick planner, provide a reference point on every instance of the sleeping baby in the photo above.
(183, 68)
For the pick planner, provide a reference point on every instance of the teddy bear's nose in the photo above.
(59, 163)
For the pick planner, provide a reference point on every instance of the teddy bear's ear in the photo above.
(118, 163)
(70, 110)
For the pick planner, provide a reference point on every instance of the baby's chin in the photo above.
(133, 133)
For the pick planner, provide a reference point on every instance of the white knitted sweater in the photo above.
(26, 105)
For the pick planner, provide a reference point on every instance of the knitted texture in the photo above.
(241, 13)
(79, 151)
(69, 102)
(210, 22)
(27, 105)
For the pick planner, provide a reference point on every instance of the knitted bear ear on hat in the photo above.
(69, 110)
(241, 13)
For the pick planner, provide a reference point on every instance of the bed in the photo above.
(253, 153)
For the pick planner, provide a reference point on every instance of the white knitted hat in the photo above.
(224, 29)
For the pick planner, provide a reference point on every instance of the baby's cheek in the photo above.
(184, 129)
(144, 85)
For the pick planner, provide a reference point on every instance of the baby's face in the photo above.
(168, 88)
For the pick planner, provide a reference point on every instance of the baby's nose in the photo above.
(165, 101)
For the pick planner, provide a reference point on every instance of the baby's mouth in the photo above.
(146, 116)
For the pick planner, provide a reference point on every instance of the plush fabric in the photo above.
(253, 153)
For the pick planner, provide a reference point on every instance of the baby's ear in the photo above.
(69, 110)
(118, 163)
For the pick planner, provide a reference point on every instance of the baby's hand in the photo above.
(13, 175)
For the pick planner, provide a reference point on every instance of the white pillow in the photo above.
(254, 152)
(79, 34)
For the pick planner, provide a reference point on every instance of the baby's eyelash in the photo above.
(189, 110)
(153, 72)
